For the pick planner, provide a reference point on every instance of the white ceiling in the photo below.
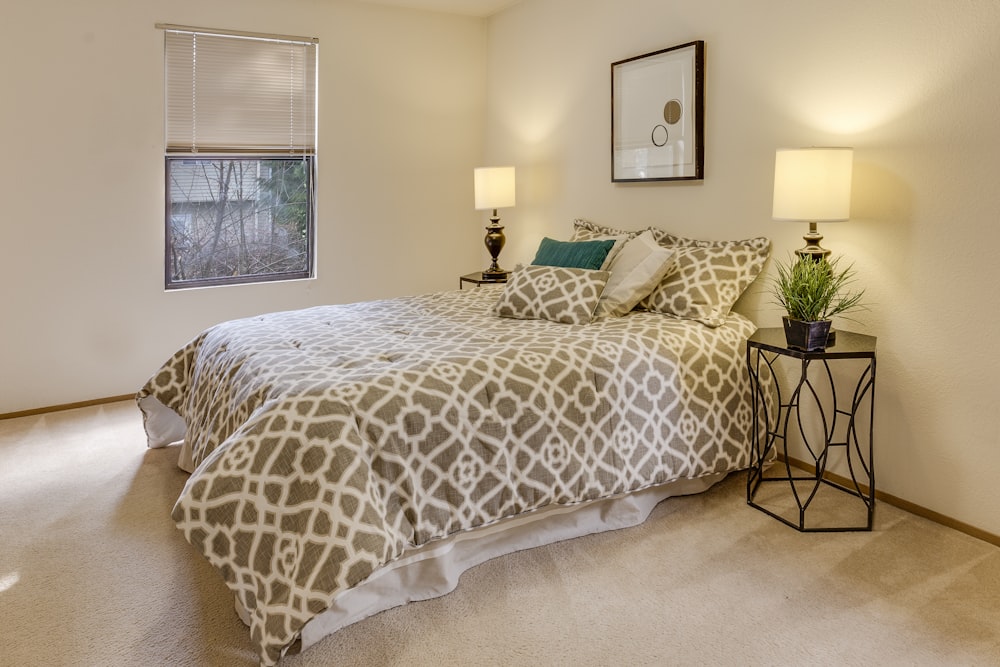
(481, 8)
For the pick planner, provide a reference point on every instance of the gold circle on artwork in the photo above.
(672, 112)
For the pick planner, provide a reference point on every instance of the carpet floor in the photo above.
(93, 572)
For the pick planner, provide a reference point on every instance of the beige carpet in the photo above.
(93, 572)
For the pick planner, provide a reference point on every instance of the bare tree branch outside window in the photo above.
(237, 218)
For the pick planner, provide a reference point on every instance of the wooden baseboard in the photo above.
(912, 508)
(66, 406)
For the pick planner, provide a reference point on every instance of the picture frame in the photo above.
(658, 115)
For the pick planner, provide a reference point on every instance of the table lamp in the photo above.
(812, 185)
(494, 189)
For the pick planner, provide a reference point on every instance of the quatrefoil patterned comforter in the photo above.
(329, 440)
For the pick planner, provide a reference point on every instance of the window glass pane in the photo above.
(237, 220)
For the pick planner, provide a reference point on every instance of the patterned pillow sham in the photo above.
(635, 271)
(559, 294)
(668, 240)
(710, 277)
(584, 230)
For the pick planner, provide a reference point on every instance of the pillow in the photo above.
(710, 277)
(559, 294)
(615, 249)
(635, 271)
(584, 230)
(573, 254)
(668, 240)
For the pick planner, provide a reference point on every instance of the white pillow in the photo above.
(620, 242)
(635, 271)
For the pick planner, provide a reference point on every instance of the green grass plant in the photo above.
(812, 290)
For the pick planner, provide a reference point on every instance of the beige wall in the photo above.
(83, 313)
(913, 85)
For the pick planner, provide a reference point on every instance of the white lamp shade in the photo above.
(494, 187)
(812, 184)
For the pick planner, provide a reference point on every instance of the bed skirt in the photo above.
(434, 569)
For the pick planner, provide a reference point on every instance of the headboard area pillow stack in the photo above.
(705, 278)
(607, 272)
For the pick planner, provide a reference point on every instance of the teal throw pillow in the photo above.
(573, 254)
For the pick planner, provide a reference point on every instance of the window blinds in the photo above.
(239, 93)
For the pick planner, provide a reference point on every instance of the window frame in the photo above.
(182, 144)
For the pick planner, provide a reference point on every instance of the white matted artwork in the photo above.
(657, 115)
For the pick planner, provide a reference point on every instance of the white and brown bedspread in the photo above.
(327, 441)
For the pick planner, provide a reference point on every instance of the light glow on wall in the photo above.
(848, 83)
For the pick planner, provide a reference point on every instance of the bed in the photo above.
(345, 459)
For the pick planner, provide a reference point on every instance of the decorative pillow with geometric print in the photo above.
(710, 277)
(668, 240)
(555, 293)
(585, 230)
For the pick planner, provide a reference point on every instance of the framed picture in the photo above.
(658, 116)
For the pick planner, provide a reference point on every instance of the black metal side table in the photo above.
(477, 279)
(775, 485)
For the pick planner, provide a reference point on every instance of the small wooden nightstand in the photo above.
(477, 279)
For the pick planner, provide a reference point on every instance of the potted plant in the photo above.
(813, 290)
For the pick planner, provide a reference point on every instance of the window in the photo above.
(240, 157)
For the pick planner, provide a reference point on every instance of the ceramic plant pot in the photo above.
(806, 336)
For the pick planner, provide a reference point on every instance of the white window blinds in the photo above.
(237, 93)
